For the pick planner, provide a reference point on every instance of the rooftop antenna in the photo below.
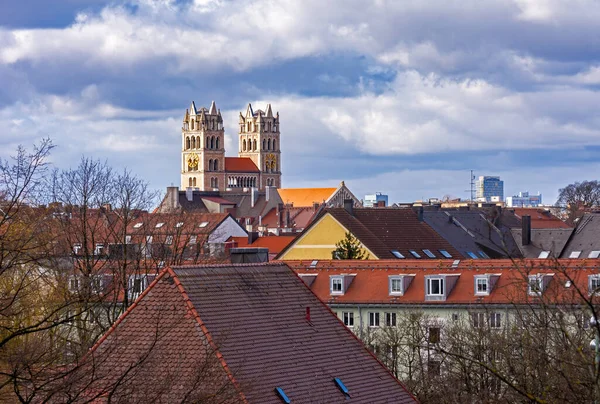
(472, 189)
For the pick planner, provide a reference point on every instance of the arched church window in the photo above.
(192, 125)
(274, 128)
(198, 142)
(264, 144)
(254, 148)
(212, 142)
(274, 146)
(269, 145)
(207, 145)
(244, 145)
(217, 142)
(194, 181)
(187, 143)
(216, 183)
(193, 142)
(210, 165)
(190, 182)
(216, 165)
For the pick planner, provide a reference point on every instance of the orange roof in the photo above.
(541, 218)
(300, 197)
(274, 243)
(240, 165)
(370, 280)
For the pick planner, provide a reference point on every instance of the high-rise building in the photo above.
(204, 166)
(489, 189)
(374, 199)
(524, 200)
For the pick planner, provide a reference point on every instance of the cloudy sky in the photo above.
(401, 97)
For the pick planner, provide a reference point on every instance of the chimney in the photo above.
(253, 196)
(420, 213)
(526, 230)
(279, 215)
(107, 208)
(252, 236)
(189, 194)
(349, 206)
(172, 198)
(381, 204)
(287, 218)
(267, 193)
(308, 314)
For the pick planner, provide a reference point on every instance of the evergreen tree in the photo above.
(348, 248)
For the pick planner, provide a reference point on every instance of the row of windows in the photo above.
(251, 145)
(193, 142)
(210, 125)
(478, 320)
(241, 182)
(252, 127)
(430, 254)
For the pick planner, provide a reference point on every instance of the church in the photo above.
(204, 166)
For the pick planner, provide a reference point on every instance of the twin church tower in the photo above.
(204, 166)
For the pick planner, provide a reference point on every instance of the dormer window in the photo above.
(482, 285)
(397, 284)
(472, 255)
(435, 286)
(169, 240)
(76, 248)
(337, 285)
(594, 254)
(99, 249)
(594, 284)
(536, 285)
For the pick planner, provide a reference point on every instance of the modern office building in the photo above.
(374, 199)
(524, 200)
(489, 189)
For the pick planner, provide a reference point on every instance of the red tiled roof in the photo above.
(240, 165)
(305, 197)
(541, 218)
(274, 243)
(218, 200)
(254, 317)
(370, 284)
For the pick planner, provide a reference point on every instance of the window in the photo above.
(159, 225)
(472, 255)
(348, 318)
(434, 335)
(127, 239)
(575, 254)
(179, 224)
(192, 239)
(594, 284)
(396, 285)
(136, 285)
(435, 286)
(138, 225)
(373, 319)
(594, 254)
(495, 320)
(390, 319)
(414, 253)
(433, 368)
(203, 224)
(536, 285)
(76, 248)
(397, 254)
(99, 249)
(544, 254)
(337, 285)
(429, 253)
(478, 319)
(73, 283)
(454, 316)
(482, 285)
(445, 253)
(314, 264)
(482, 254)
(169, 240)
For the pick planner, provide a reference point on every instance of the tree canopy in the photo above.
(348, 248)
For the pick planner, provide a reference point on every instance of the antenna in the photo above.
(472, 187)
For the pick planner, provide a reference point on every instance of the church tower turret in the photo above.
(203, 149)
(259, 141)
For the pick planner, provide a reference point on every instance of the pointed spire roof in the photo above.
(213, 109)
(202, 114)
(219, 112)
(187, 116)
(269, 112)
(193, 110)
(249, 112)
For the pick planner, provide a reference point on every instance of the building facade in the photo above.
(490, 189)
(524, 200)
(204, 166)
(375, 199)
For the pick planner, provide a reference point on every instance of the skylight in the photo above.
(159, 225)
(594, 254)
(472, 255)
(482, 254)
(575, 254)
(282, 395)
(429, 253)
(397, 254)
(445, 253)
(342, 386)
(314, 264)
(455, 263)
(138, 225)
(179, 224)
(203, 224)
(415, 254)
(544, 254)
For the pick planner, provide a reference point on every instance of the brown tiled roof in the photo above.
(240, 165)
(256, 316)
(370, 284)
(274, 243)
(386, 229)
(541, 218)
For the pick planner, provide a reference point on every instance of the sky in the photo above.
(398, 97)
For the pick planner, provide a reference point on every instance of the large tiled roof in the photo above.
(300, 197)
(541, 218)
(370, 280)
(384, 229)
(552, 240)
(257, 317)
(240, 165)
(585, 237)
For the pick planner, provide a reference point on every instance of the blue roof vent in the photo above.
(342, 386)
(282, 395)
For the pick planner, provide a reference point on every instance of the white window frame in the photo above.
(169, 239)
(544, 255)
(76, 248)
(478, 319)
(442, 285)
(138, 225)
(98, 249)
(193, 239)
(429, 253)
(495, 320)
(575, 254)
(73, 283)
(374, 319)
(203, 224)
(336, 282)
(179, 224)
(391, 319)
(159, 225)
(591, 280)
(133, 294)
(128, 239)
(538, 281)
(393, 281)
(594, 254)
(483, 280)
(348, 318)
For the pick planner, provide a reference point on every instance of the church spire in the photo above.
(249, 112)
(193, 110)
(213, 109)
(269, 112)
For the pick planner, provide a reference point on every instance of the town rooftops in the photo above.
(240, 165)
(585, 240)
(540, 218)
(301, 197)
(268, 332)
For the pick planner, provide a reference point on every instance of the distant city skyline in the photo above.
(377, 94)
